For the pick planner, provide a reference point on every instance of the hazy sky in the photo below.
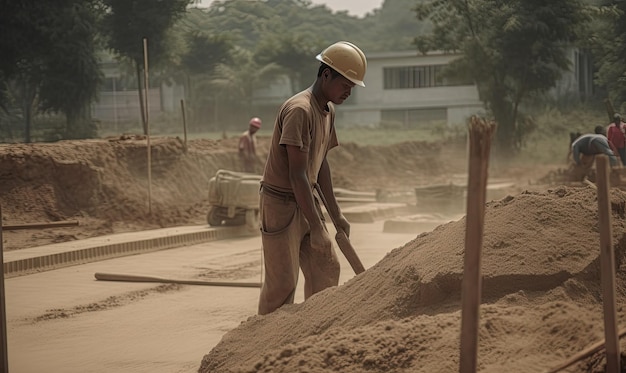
(354, 7)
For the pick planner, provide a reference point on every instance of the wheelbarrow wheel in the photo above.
(213, 217)
(238, 219)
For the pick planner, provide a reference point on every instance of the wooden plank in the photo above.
(588, 351)
(54, 224)
(141, 278)
(607, 266)
(480, 134)
(4, 356)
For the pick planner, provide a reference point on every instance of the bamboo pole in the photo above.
(182, 109)
(480, 134)
(141, 278)
(4, 363)
(145, 84)
(607, 266)
(609, 109)
(588, 351)
(54, 224)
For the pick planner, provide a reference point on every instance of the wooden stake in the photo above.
(480, 134)
(4, 363)
(588, 351)
(609, 109)
(145, 83)
(182, 109)
(607, 266)
(53, 224)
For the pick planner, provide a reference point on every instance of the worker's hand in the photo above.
(343, 224)
(320, 240)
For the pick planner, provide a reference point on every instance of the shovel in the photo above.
(342, 240)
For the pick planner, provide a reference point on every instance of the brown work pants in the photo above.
(285, 235)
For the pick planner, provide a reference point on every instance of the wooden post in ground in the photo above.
(609, 109)
(480, 135)
(145, 84)
(607, 266)
(4, 363)
(588, 351)
(182, 109)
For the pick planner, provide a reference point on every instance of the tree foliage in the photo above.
(294, 54)
(49, 61)
(510, 49)
(240, 79)
(128, 22)
(392, 27)
(265, 38)
(608, 43)
(203, 55)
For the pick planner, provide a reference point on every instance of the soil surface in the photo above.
(102, 185)
(541, 280)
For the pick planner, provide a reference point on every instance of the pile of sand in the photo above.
(541, 299)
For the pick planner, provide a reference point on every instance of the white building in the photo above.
(406, 90)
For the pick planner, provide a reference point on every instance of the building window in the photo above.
(410, 77)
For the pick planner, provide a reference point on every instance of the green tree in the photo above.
(203, 55)
(238, 80)
(509, 49)
(128, 22)
(391, 28)
(294, 54)
(49, 61)
(608, 44)
(248, 22)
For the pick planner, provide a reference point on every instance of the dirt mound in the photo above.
(541, 299)
(387, 167)
(103, 184)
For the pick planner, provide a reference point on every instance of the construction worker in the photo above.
(589, 145)
(600, 130)
(247, 146)
(293, 230)
(615, 134)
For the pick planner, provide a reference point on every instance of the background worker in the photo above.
(248, 144)
(590, 145)
(615, 134)
(293, 230)
(600, 130)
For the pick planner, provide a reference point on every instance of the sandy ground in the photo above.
(541, 298)
(66, 321)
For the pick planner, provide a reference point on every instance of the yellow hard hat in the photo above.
(347, 59)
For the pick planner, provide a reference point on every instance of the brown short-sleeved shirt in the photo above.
(301, 122)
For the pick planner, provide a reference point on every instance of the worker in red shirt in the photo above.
(615, 134)
(247, 146)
